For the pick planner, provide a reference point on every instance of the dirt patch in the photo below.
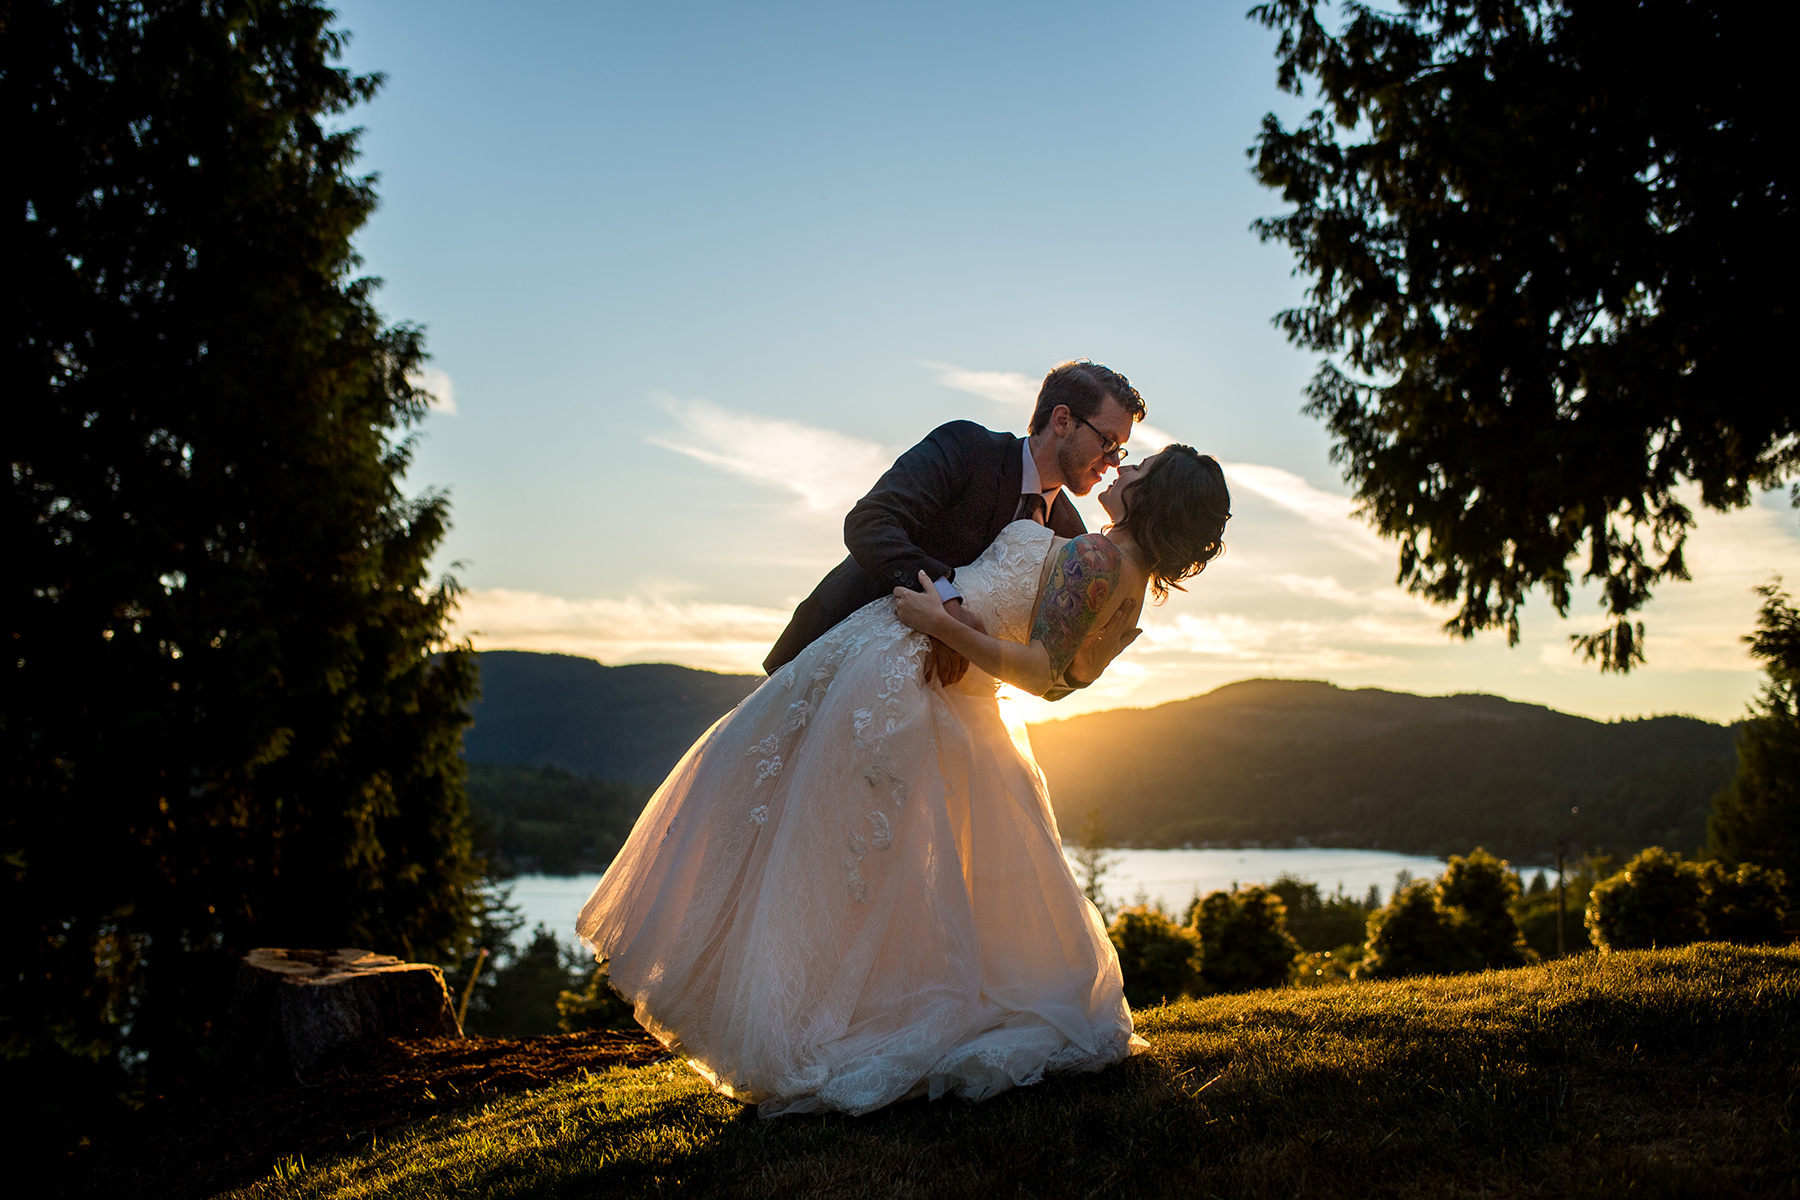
(182, 1149)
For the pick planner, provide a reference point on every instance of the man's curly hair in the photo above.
(1084, 387)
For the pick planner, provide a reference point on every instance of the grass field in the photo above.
(1658, 1073)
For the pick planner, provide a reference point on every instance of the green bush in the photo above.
(1463, 922)
(1159, 959)
(1244, 940)
(1661, 899)
(1654, 901)
(595, 1006)
(1412, 935)
(1746, 906)
(1484, 888)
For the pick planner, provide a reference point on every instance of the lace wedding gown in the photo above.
(851, 889)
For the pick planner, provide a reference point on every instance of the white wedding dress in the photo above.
(851, 890)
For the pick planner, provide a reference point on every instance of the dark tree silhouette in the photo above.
(1543, 240)
(230, 718)
(1757, 818)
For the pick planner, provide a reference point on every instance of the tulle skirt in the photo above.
(851, 890)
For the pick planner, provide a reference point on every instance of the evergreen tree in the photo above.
(525, 999)
(1757, 818)
(1543, 244)
(1244, 940)
(595, 1006)
(1159, 959)
(231, 717)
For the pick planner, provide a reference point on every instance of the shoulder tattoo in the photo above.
(1082, 579)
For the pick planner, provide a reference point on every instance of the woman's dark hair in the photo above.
(1084, 387)
(1176, 513)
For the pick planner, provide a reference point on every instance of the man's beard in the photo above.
(1074, 469)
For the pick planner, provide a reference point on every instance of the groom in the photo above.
(944, 500)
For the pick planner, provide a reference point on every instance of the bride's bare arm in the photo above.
(1026, 667)
(1084, 575)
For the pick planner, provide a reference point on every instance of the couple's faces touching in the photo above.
(1112, 496)
(1082, 452)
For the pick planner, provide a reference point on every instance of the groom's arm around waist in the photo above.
(883, 531)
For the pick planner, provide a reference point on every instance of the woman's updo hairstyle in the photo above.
(1176, 512)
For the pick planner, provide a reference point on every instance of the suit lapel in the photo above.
(1006, 494)
(1064, 520)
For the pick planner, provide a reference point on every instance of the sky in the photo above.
(693, 274)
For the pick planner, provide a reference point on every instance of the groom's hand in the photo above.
(946, 664)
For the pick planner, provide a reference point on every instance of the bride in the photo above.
(851, 889)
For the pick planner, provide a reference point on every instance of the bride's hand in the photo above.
(925, 612)
(922, 610)
(1106, 644)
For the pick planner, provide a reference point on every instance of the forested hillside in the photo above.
(1277, 761)
(628, 724)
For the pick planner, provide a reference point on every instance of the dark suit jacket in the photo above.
(937, 507)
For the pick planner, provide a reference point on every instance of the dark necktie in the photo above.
(1031, 508)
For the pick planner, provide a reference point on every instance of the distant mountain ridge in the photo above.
(627, 724)
(1273, 761)
(1279, 761)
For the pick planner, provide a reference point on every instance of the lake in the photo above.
(1169, 876)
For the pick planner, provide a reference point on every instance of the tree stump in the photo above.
(293, 1008)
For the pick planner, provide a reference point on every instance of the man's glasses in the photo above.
(1108, 447)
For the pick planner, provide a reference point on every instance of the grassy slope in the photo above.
(1654, 1073)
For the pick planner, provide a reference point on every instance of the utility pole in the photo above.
(1561, 848)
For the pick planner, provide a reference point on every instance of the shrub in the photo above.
(1660, 899)
(1462, 922)
(1745, 906)
(1244, 940)
(1484, 889)
(1159, 959)
(1329, 966)
(1413, 935)
(595, 1006)
(1654, 901)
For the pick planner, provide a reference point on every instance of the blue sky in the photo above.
(692, 274)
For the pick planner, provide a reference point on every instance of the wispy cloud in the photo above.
(1010, 388)
(716, 637)
(438, 386)
(826, 470)
(1328, 512)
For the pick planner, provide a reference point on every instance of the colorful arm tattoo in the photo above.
(1081, 582)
